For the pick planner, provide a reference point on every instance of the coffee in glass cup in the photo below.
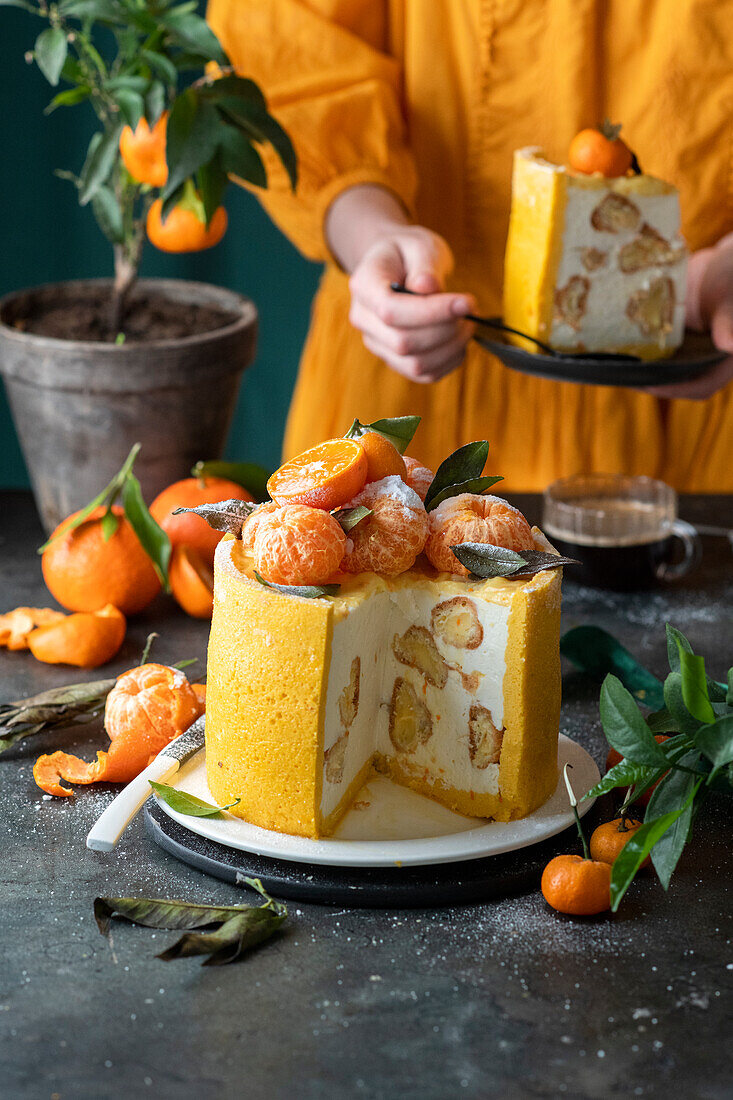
(623, 530)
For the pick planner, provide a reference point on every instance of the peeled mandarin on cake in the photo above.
(417, 476)
(388, 540)
(470, 517)
(298, 545)
(324, 477)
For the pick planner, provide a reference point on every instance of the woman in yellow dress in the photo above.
(405, 115)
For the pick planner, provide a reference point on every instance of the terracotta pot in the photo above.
(80, 406)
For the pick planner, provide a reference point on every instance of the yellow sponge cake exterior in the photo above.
(449, 685)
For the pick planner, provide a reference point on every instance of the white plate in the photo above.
(394, 825)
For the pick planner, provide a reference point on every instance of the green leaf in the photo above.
(672, 793)
(59, 707)
(101, 159)
(661, 721)
(108, 213)
(132, 106)
(249, 475)
(239, 157)
(155, 102)
(68, 98)
(161, 65)
(192, 138)
(260, 125)
(635, 851)
(153, 539)
(486, 560)
(212, 182)
(238, 87)
(110, 524)
(694, 686)
(104, 499)
(305, 591)
(716, 741)
(192, 33)
(465, 464)
(50, 53)
(104, 11)
(349, 518)
(673, 697)
(729, 693)
(399, 430)
(625, 729)
(127, 82)
(676, 642)
(19, 4)
(241, 927)
(184, 803)
(225, 515)
(624, 774)
(596, 652)
(474, 485)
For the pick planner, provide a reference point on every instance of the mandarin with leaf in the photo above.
(84, 571)
(143, 151)
(600, 149)
(188, 529)
(609, 839)
(183, 230)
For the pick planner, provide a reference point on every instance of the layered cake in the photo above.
(445, 681)
(594, 262)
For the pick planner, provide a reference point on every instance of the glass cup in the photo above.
(624, 530)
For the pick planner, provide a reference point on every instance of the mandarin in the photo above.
(388, 540)
(609, 839)
(296, 544)
(182, 230)
(580, 887)
(188, 529)
(143, 151)
(470, 517)
(191, 579)
(326, 476)
(600, 150)
(417, 476)
(84, 572)
(383, 458)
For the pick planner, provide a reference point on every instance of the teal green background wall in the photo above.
(45, 236)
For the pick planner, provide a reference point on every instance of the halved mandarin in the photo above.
(324, 477)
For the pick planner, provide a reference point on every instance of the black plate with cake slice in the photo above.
(696, 356)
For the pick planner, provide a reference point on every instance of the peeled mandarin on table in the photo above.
(85, 572)
(148, 706)
(326, 476)
(188, 529)
(576, 886)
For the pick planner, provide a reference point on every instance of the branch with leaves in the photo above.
(214, 125)
(695, 759)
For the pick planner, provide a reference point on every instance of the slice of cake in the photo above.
(594, 263)
(449, 685)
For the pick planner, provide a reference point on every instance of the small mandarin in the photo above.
(608, 839)
(326, 476)
(383, 458)
(182, 230)
(600, 150)
(577, 886)
(296, 544)
(143, 151)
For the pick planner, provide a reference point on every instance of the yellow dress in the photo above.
(430, 98)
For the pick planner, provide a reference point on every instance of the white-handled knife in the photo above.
(108, 829)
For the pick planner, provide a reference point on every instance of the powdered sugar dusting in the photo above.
(391, 486)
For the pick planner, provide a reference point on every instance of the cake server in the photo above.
(498, 325)
(108, 829)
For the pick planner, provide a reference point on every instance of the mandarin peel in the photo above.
(84, 639)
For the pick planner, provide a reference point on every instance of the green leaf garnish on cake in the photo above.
(305, 591)
(461, 472)
(229, 516)
(184, 803)
(399, 430)
(484, 560)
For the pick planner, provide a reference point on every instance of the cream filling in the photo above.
(477, 678)
(605, 323)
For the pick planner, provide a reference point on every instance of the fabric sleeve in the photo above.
(324, 69)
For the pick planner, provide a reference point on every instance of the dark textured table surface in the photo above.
(505, 998)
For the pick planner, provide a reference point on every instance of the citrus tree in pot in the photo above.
(91, 367)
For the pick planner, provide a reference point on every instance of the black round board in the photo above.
(695, 357)
(368, 887)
